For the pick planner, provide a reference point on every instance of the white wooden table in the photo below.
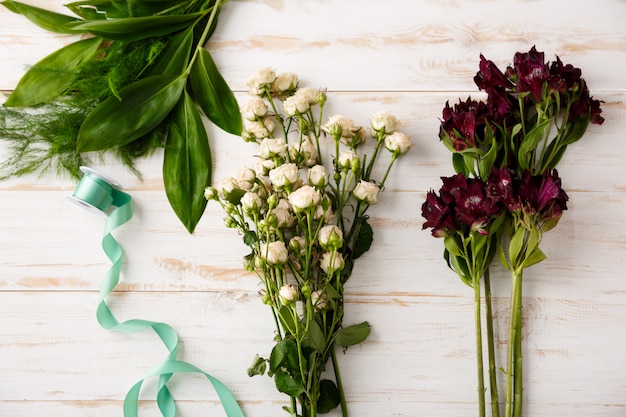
(404, 56)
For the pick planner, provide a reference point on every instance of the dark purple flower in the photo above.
(475, 208)
(564, 78)
(464, 124)
(490, 77)
(500, 186)
(438, 215)
(586, 107)
(452, 188)
(541, 195)
(532, 72)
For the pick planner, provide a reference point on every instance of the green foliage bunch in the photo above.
(139, 79)
(306, 224)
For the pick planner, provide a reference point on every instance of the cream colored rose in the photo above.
(304, 197)
(288, 294)
(246, 178)
(305, 153)
(225, 187)
(261, 80)
(309, 94)
(317, 176)
(269, 148)
(284, 175)
(298, 245)
(285, 82)
(383, 122)
(330, 237)
(274, 253)
(331, 262)
(251, 202)
(319, 299)
(284, 217)
(398, 143)
(339, 126)
(366, 191)
(346, 159)
(254, 109)
(295, 105)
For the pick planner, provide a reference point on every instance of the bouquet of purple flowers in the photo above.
(506, 191)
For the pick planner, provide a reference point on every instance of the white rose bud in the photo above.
(251, 202)
(330, 237)
(260, 80)
(317, 176)
(398, 143)
(383, 122)
(264, 166)
(258, 130)
(304, 197)
(284, 175)
(326, 215)
(284, 218)
(225, 187)
(357, 137)
(309, 94)
(288, 294)
(274, 253)
(246, 178)
(254, 109)
(305, 153)
(331, 262)
(295, 105)
(298, 245)
(210, 193)
(285, 82)
(269, 148)
(319, 300)
(346, 158)
(339, 126)
(367, 192)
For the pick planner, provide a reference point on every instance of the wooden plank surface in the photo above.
(406, 57)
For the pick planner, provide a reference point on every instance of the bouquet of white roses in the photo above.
(305, 224)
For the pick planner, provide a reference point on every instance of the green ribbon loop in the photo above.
(98, 193)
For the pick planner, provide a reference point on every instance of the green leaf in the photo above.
(187, 163)
(250, 238)
(53, 75)
(517, 247)
(235, 196)
(530, 142)
(144, 105)
(315, 337)
(174, 58)
(329, 397)
(534, 258)
(50, 21)
(91, 9)
(286, 319)
(353, 335)
(213, 95)
(458, 162)
(130, 29)
(486, 162)
(364, 238)
(257, 367)
(287, 385)
(285, 354)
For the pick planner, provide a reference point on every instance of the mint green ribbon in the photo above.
(97, 193)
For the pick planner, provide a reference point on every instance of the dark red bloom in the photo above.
(464, 124)
(532, 72)
(541, 195)
(500, 186)
(438, 215)
(564, 78)
(585, 106)
(490, 77)
(474, 207)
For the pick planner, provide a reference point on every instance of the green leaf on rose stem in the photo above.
(234, 197)
(353, 335)
(286, 320)
(534, 258)
(315, 337)
(363, 240)
(329, 397)
(250, 238)
(530, 142)
(144, 105)
(187, 163)
(287, 385)
(53, 75)
(285, 354)
(174, 57)
(258, 366)
(45, 19)
(128, 29)
(213, 94)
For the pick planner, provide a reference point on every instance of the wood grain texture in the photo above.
(404, 56)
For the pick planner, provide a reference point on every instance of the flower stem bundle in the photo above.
(139, 80)
(506, 192)
(305, 222)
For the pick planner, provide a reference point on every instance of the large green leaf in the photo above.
(287, 385)
(329, 396)
(50, 21)
(53, 75)
(143, 106)
(363, 240)
(213, 95)
(135, 28)
(187, 163)
(174, 58)
(530, 142)
(353, 335)
(100, 9)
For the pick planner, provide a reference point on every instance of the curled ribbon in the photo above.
(98, 193)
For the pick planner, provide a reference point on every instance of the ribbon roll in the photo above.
(99, 194)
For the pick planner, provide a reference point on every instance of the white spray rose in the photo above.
(298, 245)
(357, 137)
(319, 300)
(285, 82)
(257, 130)
(269, 148)
(326, 215)
(330, 237)
(251, 202)
(346, 159)
(304, 197)
(296, 104)
(260, 80)
(398, 143)
(383, 122)
(331, 262)
(308, 94)
(288, 294)
(317, 176)
(254, 109)
(284, 217)
(339, 126)
(210, 193)
(366, 191)
(284, 175)
(274, 253)
(264, 166)
(304, 152)
(225, 187)
(246, 178)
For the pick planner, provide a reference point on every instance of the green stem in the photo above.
(342, 397)
(514, 357)
(479, 348)
(493, 383)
